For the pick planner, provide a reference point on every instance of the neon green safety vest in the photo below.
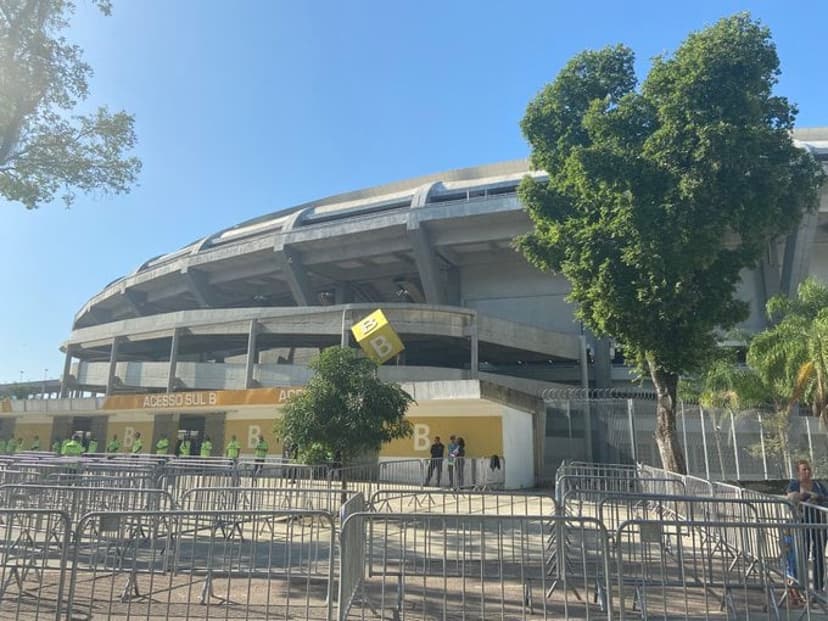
(137, 445)
(206, 448)
(261, 449)
(185, 447)
(36, 444)
(93, 446)
(233, 449)
(161, 446)
(113, 447)
(73, 448)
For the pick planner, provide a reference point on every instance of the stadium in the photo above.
(213, 337)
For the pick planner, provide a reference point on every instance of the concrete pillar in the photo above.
(345, 340)
(173, 360)
(67, 371)
(474, 342)
(250, 362)
(602, 363)
(113, 361)
(342, 293)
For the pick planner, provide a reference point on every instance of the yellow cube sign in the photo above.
(376, 337)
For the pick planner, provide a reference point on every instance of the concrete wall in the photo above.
(520, 293)
(518, 448)
(227, 376)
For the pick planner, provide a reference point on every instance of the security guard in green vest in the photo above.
(36, 443)
(73, 447)
(261, 454)
(11, 446)
(162, 445)
(137, 443)
(233, 448)
(206, 447)
(184, 451)
(114, 445)
(92, 447)
(56, 446)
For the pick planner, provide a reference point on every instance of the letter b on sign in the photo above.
(376, 337)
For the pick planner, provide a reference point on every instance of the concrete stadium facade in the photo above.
(245, 308)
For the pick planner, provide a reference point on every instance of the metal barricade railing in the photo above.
(566, 483)
(368, 478)
(214, 564)
(674, 569)
(474, 567)
(33, 561)
(430, 500)
(78, 501)
(264, 499)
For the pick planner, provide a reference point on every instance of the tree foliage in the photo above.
(45, 149)
(658, 196)
(345, 407)
(791, 356)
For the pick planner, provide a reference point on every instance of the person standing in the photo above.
(35, 443)
(438, 451)
(56, 446)
(73, 448)
(11, 446)
(163, 445)
(460, 461)
(805, 489)
(261, 454)
(92, 447)
(452, 456)
(186, 446)
(232, 449)
(206, 447)
(137, 443)
(114, 445)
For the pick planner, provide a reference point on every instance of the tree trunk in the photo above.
(666, 384)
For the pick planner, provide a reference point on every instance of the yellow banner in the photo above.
(483, 435)
(200, 399)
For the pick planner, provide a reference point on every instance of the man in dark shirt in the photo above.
(436, 461)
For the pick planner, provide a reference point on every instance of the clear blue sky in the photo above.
(248, 107)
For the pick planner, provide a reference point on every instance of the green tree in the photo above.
(658, 197)
(792, 354)
(726, 389)
(345, 408)
(44, 148)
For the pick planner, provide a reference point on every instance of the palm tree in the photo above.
(724, 387)
(792, 355)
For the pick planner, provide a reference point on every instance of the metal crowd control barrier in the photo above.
(430, 566)
(570, 482)
(33, 560)
(175, 565)
(670, 569)
(78, 501)
(430, 500)
(368, 478)
(264, 499)
(586, 468)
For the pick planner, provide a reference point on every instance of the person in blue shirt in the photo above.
(809, 494)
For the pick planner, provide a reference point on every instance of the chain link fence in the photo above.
(719, 444)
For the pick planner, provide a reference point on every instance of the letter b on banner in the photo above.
(253, 432)
(421, 437)
(376, 337)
